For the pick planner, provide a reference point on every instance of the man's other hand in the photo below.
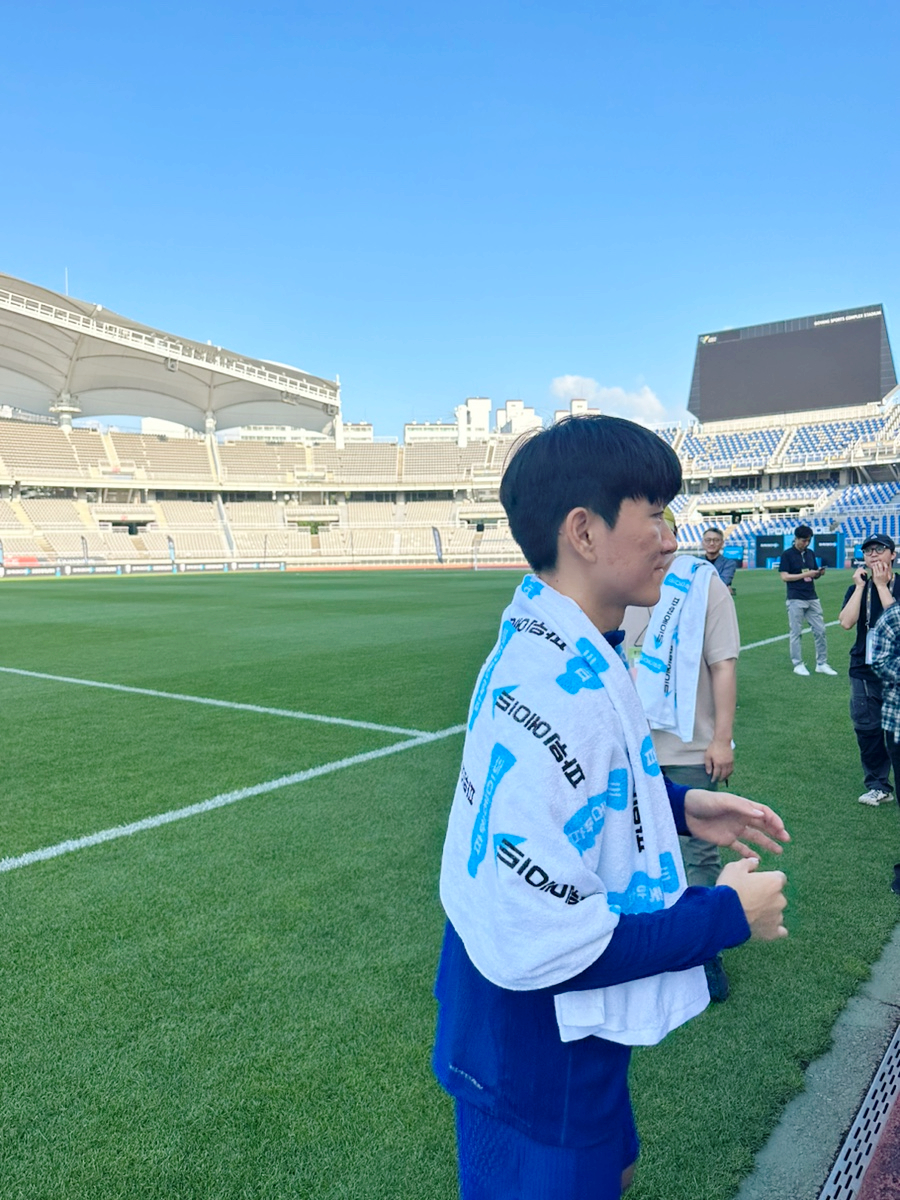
(725, 820)
(761, 894)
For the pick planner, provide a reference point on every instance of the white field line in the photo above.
(220, 801)
(254, 708)
(419, 738)
(782, 637)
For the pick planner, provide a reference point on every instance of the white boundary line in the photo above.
(418, 738)
(255, 708)
(220, 801)
(782, 637)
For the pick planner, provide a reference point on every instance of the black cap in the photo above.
(880, 539)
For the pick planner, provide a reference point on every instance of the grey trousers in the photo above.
(811, 610)
(701, 859)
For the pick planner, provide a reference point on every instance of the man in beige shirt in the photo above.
(708, 758)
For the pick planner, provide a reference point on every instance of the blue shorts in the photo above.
(497, 1162)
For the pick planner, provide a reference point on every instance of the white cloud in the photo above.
(641, 405)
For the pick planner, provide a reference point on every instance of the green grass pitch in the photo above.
(238, 1004)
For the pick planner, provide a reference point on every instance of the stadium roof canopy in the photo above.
(71, 358)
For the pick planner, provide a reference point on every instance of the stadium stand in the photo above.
(74, 496)
(273, 543)
(187, 514)
(256, 464)
(161, 457)
(830, 441)
(121, 547)
(430, 512)
(368, 513)
(735, 451)
(37, 452)
(372, 463)
(255, 514)
(85, 494)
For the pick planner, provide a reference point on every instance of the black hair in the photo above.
(803, 531)
(714, 529)
(592, 462)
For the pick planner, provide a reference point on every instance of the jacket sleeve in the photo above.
(677, 793)
(885, 658)
(729, 566)
(702, 922)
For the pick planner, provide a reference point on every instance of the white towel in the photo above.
(669, 667)
(561, 821)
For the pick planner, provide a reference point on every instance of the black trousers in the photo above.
(878, 751)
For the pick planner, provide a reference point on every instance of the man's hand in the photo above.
(719, 759)
(723, 819)
(761, 896)
(882, 573)
(859, 576)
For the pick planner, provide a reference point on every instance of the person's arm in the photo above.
(726, 820)
(700, 924)
(719, 755)
(849, 614)
(677, 793)
(745, 903)
(684, 935)
(807, 574)
(729, 566)
(883, 578)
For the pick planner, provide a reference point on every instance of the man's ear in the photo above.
(579, 533)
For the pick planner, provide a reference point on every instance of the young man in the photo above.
(686, 678)
(798, 569)
(571, 937)
(864, 603)
(713, 543)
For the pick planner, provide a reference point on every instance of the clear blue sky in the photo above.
(478, 200)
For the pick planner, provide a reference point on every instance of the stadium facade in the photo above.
(302, 489)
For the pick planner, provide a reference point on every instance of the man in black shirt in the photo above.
(798, 569)
(875, 588)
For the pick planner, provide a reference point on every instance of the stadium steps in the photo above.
(110, 449)
(782, 446)
(824, 503)
(214, 464)
(87, 518)
(224, 523)
(21, 517)
(891, 429)
(161, 522)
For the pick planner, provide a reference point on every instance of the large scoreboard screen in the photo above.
(826, 361)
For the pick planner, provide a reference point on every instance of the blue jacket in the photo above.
(500, 1050)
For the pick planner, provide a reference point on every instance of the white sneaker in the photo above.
(875, 796)
(801, 669)
(824, 669)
